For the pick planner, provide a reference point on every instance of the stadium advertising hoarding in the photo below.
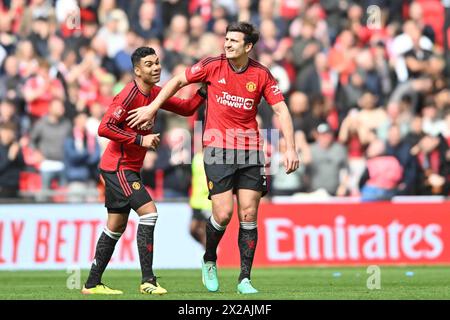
(347, 234)
(64, 236)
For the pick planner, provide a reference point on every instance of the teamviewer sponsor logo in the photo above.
(237, 102)
(352, 242)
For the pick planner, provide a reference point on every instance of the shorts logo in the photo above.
(136, 185)
(251, 86)
(210, 185)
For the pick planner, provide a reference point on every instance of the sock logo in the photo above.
(149, 247)
(251, 244)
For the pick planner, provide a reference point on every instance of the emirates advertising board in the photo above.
(346, 234)
(62, 236)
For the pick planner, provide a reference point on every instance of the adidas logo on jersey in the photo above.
(222, 81)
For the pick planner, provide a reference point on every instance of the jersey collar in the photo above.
(240, 71)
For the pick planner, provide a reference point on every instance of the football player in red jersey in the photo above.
(232, 143)
(120, 166)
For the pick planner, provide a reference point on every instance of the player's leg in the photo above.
(143, 204)
(251, 186)
(222, 210)
(220, 176)
(115, 226)
(116, 201)
(248, 202)
(145, 243)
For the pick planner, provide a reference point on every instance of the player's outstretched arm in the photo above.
(291, 161)
(186, 107)
(146, 113)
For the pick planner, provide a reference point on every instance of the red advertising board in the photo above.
(346, 234)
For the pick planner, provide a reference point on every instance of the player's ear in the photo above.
(137, 70)
(248, 47)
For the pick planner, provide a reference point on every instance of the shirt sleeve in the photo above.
(114, 119)
(198, 72)
(271, 91)
(183, 107)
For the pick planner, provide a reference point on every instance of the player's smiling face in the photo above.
(235, 46)
(149, 69)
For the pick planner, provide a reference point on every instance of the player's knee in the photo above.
(248, 214)
(116, 226)
(223, 218)
(148, 219)
(115, 234)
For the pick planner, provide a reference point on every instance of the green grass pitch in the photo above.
(414, 282)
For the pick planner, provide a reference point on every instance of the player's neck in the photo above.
(239, 64)
(142, 86)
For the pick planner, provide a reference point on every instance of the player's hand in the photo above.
(150, 141)
(291, 161)
(140, 115)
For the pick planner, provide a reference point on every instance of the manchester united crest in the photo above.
(136, 185)
(251, 86)
(210, 185)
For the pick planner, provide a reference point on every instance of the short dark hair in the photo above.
(251, 35)
(140, 53)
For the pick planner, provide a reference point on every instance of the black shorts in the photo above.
(228, 169)
(124, 191)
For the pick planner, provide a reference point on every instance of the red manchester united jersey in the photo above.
(233, 98)
(124, 151)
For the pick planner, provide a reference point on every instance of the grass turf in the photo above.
(273, 284)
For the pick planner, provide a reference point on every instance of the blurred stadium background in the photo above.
(367, 84)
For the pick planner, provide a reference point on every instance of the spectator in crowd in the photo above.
(174, 157)
(411, 41)
(382, 176)
(114, 32)
(11, 161)
(401, 150)
(148, 24)
(432, 123)
(47, 137)
(304, 49)
(348, 136)
(8, 115)
(336, 12)
(40, 34)
(432, 154)
(10, 82)
(96, 113)
(299, 108)
(40, 90)
(370, 117)
(328, 167)
(81, 158)
(288, 184)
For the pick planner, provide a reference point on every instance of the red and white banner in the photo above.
(63, 236)
(346, 234)
(60, 236)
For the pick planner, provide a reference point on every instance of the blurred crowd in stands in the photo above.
(367, 83)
